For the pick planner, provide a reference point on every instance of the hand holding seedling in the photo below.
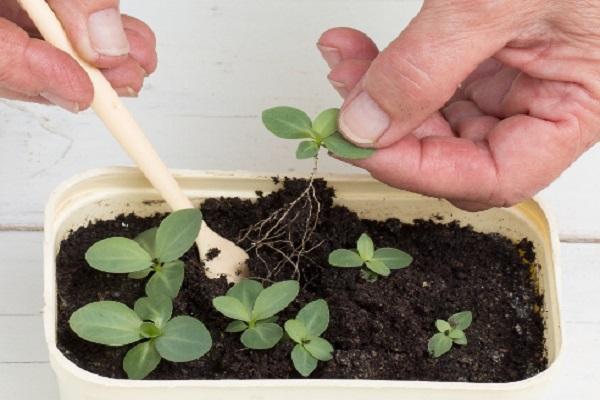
(484, 103)
(33, 70)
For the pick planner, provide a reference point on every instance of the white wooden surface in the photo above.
(221, 63)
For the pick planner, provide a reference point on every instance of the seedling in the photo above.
(155, 251)
(449, 332)
(254, 310)
(179, 339)
(310, 323)
(291, 123)
(375, 263)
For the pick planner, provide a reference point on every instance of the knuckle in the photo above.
(396, 76)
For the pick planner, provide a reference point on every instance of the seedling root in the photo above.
(275, 232)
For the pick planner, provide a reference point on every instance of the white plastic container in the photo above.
(106, 193)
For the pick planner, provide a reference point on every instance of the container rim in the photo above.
(58, 359)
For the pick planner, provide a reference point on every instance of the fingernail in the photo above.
(363, 121)
(59, 101)
(107, 34)
(331, 55)
(339, 87)
(126, 92)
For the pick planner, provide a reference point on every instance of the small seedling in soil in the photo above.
(254, 310)
(291, 123)
(179, 339)
(449, 332)
(375, 262)
(310, 323)
(155, 251)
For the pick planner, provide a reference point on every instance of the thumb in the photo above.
(95, 28)
(420, 71)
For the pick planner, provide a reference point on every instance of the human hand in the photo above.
(33, 70)
(481, 102)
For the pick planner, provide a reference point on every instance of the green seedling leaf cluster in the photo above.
(154, 252)
(111, 323)
(449, 333)
(305, 330)
(375, 262)
(254, 308)
(291, 123)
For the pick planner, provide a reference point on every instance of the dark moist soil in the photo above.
(379, 330)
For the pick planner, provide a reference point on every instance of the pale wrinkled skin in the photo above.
(30, 66)
(527, 104)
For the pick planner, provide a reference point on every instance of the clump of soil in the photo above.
(379, 330)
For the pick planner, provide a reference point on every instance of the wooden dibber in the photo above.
(231, 260)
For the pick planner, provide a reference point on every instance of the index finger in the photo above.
(521, 156)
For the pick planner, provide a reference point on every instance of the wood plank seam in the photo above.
(23, 362)
(21, 228)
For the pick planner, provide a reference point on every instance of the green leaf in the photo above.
(157, 309)
(262, 336)
(315, 316)
(378, 267)
(461, 320)
(456, 334)
(149, 330)
(147, 240)
(287, 122)
(462, 342)
(458, 337)
(183, 339)
(167, 280)
(307, 149)
(232, 308)
(141, 360)
(296, 330)
(303, 361)
(442, 326)
(393, 258)
(274, 318)
(319, 348)
(106, 322)
(118, 255)
(140, 274)
(326, 123)
(345, 259)
(274, 299)
(236, 326)
(177, 233)
(365, 247)
(439, 344)
(344, 149)
(246, 291)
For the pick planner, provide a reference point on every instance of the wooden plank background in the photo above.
(221, 63)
